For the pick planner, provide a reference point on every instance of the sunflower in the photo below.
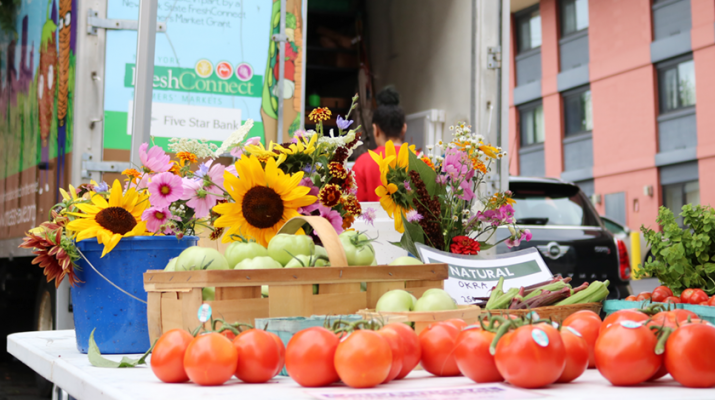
(110, 221)
(264, 199)
(303, 145)
(262, 153)
(393, 168)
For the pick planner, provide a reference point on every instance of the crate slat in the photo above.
(338, 303)
(165, 281)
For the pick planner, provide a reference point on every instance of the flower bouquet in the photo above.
(276, 182)
(434, 197)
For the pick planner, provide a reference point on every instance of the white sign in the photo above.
(483, 391)
(471, 277)
(191, 122)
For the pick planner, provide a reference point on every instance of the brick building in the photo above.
(617, 96)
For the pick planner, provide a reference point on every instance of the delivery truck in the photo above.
(83, 82)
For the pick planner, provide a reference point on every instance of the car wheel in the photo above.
(44, 321)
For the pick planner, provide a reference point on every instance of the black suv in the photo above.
(568, 233)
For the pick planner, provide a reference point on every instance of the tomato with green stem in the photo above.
(531, 356)
(437, 343)
(622, 315)
(363, 359)
(672, 299)
(309, 357)
(259, 356)
(358, 249)
(284, 247)
(644, 296)
(167, 357)
(690, 356)
(694, 296)
(239, 251)
(210, 359)
(410, 347)
(625, 353)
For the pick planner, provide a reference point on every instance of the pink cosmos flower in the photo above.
(198, 198)
(307, 210)
(368, 215)
(155, 160)
(155, 217)
(236, 152)
(333, 217)
(524, 234)
(211, 175)
(164, 189)
(232, 170)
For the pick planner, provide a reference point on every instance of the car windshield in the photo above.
(551, 204)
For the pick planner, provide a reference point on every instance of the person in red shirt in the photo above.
(388, 123)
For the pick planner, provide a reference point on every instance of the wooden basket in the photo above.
(174, 297)
(555, 313)
(422, 319)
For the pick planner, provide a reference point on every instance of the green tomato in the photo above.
(258, 263)
(171, 266)
(394, 301)
(199, 258)
(283, 247)
(208, 294)
(435, 300)
(239, 251)
(306, 261)
(414, 301)
(358, 249)
(406, 261)
(264, 290)
(320, 251)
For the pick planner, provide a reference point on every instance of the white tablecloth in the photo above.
(54, 355)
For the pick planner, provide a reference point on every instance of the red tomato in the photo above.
(471, 352)
(228, 334)
(410, 347)
(457, 323)
(661, 293)
(672, 299)
(437, 344)
(643, 296)
(167, 358)
(711, 302)
(588, 324)
(210, 359)
(690, 356)
(259, 357)
(622, 315)
(363, 359)
(685, 295)
(631, 298)
(625, 354)
(577, 353)
(309, 357)
(395, 341)
(532, 356)
(663, 371)
(281, 352)
(668, 319)
(698, 296)
(682, 315)
(704, 303)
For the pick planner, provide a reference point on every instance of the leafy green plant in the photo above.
(682, 257)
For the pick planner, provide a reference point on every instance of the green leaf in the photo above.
(96, 359)
(429, 177)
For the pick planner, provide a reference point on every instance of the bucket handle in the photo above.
(110, 282)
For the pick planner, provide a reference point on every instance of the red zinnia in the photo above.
(464, 245)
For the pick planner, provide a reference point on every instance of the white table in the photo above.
(54, 355)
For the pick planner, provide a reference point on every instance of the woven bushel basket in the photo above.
(555, 313)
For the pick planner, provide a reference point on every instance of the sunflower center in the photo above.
(116, 220)
(166, 189)
(262, 207)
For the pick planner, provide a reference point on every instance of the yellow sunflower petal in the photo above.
(403, 159)
(115, 196)
(88, 208)
(109, 245)
(99, 201)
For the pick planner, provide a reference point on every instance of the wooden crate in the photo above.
(174, 297)
(422, 319)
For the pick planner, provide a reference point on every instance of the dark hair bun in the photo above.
(388, 97)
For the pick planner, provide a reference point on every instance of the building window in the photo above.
(574, 16)
(677, 84)
(528, 25)
(676, 195)
(577, 111)
(531, 117)
(670, 18)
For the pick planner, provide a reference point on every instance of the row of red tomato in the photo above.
(530, 355)
(663, 294)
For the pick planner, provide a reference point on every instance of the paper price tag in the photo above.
(204, 312)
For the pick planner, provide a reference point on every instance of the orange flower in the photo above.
(479, 165)
(175, 168)
(329, 195)
(185, 157)
(132, 174)
(337, 170)
(427, 161)
(351, 205)
(348, 221)
(320, 114)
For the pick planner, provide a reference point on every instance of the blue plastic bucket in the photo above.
(120, 320)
